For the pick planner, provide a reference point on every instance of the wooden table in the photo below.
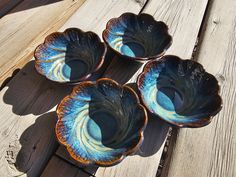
(204, 30)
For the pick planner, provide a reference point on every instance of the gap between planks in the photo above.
(182, 17)
(60, 168)
(151, 170)
(211, 151)
(170, 144)
(28, 100)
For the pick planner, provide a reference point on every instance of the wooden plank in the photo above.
(97, 14)
(211, 151)
(166, 155)
(25, 26)
(184, 20)
(27, 131)
(7, 5)
(59, 168)
(64, 154)
(28, 97)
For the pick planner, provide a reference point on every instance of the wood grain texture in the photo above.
(166, 155)
(184, 19)
(59, 168)
(7, 5)
(211, 151)
(28, 101)
(64, 154)
(94, 16)
(25, 26)
(27, 123)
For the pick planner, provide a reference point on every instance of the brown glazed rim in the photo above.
(129, 151)
(99, 65)
(109, 23)
(200, 123)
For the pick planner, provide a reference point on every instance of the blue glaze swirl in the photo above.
(100, 123)
(138, 37)
(70, 56)
(180, 91)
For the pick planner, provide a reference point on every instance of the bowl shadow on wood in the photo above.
(38, 142)
(30, 93)
(14, 7)
(155, 132)
(28, 90)
(5, 82)
(154, 136)
(121, 69)
(35, 147)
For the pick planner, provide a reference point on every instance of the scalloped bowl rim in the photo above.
(126, 153)
(203, 121)
(102, 58)
(138, 58)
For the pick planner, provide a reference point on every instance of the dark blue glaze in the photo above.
(180, 91)
(70, 56)
(137, 36)
(101, 123)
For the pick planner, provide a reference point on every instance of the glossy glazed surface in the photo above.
(70, 56)
(139, 37)
(180, 91)
(101, 123)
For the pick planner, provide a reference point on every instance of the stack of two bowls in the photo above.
(102, 122)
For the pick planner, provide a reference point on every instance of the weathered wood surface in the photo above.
(59, 168)
(7, 5)
(184, 20)
(211, 151)
(28, 102)
(25, 26)
(63, 154)
(94, 15)
(27, 124)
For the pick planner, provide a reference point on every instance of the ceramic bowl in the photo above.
(70, 56)
(180, 91)
(137, 37)
(101, 123)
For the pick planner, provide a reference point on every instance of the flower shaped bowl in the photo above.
(70, 56)
(179, 91)
(101, 123)
(137, 37)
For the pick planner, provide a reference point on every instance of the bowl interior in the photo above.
(137, 36)
(179, 91)
(106, 119)
(69, 56)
